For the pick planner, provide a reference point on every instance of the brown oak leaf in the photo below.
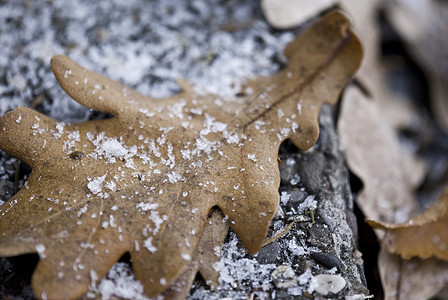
(145, 180)
(424, 236)
(415, 278)
(414, 256)
(202, 261)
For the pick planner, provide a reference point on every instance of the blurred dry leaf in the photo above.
(373, 153)
(145, 180)
(424, 236)
(389, 175)
(387, 170)
(403, 279)
(399, 112)
(413, 279)
(283, 14)
(423, 25)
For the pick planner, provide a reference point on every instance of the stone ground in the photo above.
(215, 44)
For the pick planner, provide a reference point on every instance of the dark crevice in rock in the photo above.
(370, 248)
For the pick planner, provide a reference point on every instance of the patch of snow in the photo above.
(308, 204)
(174, 177)
(295, 179)
(284, 198)
(95, 185)
(186, 256)
(252, 157)
(299, 107)
(235, 269)
(146, 112)
(60, 130)
(211, 125)
(120, 282)
(145, 206)
(290, 161)
(177, 110)
(148, 245)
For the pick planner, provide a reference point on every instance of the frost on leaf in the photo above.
(145, 181)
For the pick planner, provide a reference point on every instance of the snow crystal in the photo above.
(130, 164)
(231, 138)
(68, 145)
(156, 219)
(111, 185)
(295, 291)
(280, 113)
(245, 270)
(308, 204)
(60, 127)
(296, 249)
(284, 198)
(87, 246)
(82, 210)
(306, 277)
(174, 177)
(93, 277)
(162, 281)
(285, 131)
(211, 125)
(95, 184)
(295, 179)
(290, 161)
(177, 109)
(186, 256)
(294, 126)
(67, 73)
(145, 206)
(148, 245)
(105, 224)
(40, 250)
(205, 145)
(252, 157)
(197, 111)
(74, 135)
(112, 221)
(146, 112)
(112, 147)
